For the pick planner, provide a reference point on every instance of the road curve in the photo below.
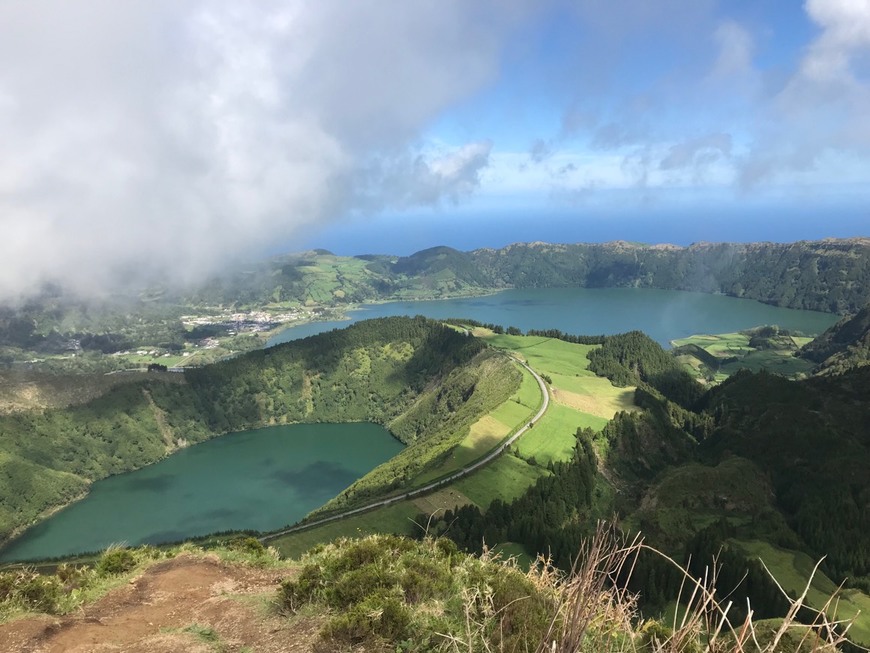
(436, 484)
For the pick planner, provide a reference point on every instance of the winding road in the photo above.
(436, 484)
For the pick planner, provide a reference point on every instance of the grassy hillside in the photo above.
(425, 381)
(844, 345)
(758, 458)
(579, 398)
(714, 358)
(374, 594)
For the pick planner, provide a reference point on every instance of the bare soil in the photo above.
(189, 603)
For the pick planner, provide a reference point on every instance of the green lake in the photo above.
(664, 315)
(267, 478)
(260, 480)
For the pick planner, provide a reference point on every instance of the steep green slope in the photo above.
(759, 458)
(422, 379)
(844, 345)
(811, 439)
(827, 275)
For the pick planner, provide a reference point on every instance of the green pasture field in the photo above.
(528, 395)
(568, 367)
(490, 430)
(546, 355)
(593, 395)
(396, 518)
(726, 345)
(448, 498)
(792, 569)
(505, 478)
(771, 360)
(720, 345)
(553, 437)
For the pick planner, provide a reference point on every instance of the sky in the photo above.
(168, 140)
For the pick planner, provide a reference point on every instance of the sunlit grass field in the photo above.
(792, 569)
(546, 355)
(505, 478)
(552, 438)
(727, 345)
(396, 518)
(491, 429)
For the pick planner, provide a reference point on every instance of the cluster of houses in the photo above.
(248, 322)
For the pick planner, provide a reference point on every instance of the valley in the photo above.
(435, 327)
(628, 431)
(239, 311)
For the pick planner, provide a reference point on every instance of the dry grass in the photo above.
(596, 614)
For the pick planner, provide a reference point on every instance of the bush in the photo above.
(31, 591)
(249, 545)
(380, 616)
(389, 591)
(116, 561)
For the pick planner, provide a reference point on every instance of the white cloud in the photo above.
(169, 136)
(700, 95)
(818, 120)
(846, 31)
(736, 49)
(697, 153)
(419, 180)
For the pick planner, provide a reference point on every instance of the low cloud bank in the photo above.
(163, 139)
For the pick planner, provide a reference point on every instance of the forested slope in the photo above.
(418, 377)
(844, 345)
(757, 459)
(827, 275)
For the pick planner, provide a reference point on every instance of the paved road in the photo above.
(437, 484)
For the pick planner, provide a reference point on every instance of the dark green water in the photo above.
(261, 479)
(664, 315)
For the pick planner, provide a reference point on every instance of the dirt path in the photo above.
(227, 604)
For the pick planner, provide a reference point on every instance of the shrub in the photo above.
(116, 561)
(380, 616)
(249, 545)
(400, 594)
(355, 585)
(31, 591)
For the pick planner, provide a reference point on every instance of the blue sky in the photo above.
(158, 138)
(655, 121)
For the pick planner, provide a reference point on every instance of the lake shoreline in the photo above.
(286, 471)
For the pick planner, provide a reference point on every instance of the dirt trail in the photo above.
(149, 615)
